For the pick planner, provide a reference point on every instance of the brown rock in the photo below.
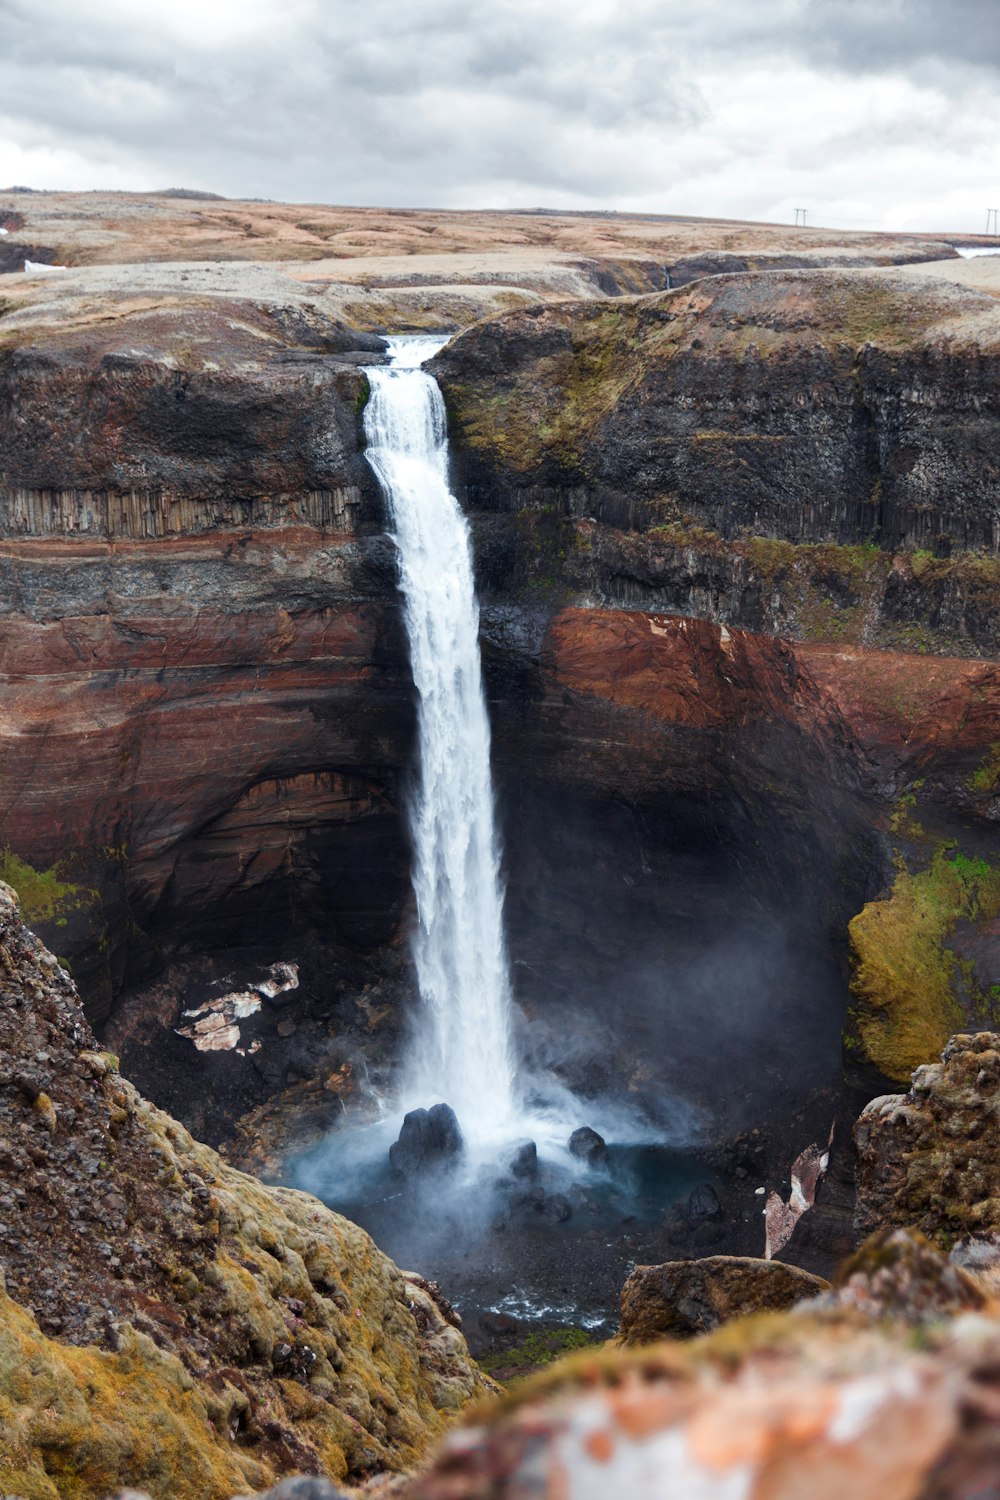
(790, 1409)
(686, 1297)
(931, 1158)
(175, 1276)
(900, 1274)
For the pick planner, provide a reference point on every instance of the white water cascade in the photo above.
(462, 1052)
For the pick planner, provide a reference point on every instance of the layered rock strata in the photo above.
(830, 406)
(201, 656)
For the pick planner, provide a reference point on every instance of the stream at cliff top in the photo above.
(554, 1241)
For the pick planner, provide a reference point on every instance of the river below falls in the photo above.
(498, 1255)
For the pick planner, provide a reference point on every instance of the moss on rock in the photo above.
(213, 1333)
(907, 983)
(45, 896)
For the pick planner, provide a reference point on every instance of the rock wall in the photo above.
(843, 407)
(929, 1157)
(211, 713)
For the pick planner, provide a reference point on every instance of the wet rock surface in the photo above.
(590, 1147)
(430, 1141)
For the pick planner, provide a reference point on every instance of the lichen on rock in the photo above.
(931, 1158)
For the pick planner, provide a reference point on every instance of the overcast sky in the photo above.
(869, 113)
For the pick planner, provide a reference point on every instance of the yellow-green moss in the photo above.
(986, 778)
(80, 1423)
(907, 983)
(43, 895)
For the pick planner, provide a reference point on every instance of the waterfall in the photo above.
(462, 1051)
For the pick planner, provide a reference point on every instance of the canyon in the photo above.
(732, 499)
(709, 525)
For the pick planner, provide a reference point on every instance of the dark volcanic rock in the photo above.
(686, 1297)
(523, 1161)
(589, 1146)
(430, 1141)
(791, 405)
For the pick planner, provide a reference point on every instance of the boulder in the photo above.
(686, 1297)
(704, 1205)
(589, 1146)
(430, 1141)
(523, 1160)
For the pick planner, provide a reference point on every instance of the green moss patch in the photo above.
(985, 780)
(911, 990)
(45, 897)
(536, 1352)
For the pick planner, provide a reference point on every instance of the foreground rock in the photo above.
(837, 1398)
(166, 1321)
(898, 1273)
(786, 1407)
(931, 1158)
(684, 1298)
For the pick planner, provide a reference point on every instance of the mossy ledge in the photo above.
(856, 594)
(911, 991)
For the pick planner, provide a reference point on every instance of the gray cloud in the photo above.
(731, 106)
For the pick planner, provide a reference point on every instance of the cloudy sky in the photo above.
(869, 113)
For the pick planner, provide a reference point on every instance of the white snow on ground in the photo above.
(970, 251)
(38, 268)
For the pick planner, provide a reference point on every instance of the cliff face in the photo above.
(211, 707)
(782, 454)
(206, 680)
(168, 1322)
(828, 406)
(198, 641)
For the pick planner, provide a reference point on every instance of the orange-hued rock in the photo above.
(907, 707)
(690, 673)
(779, 1407)
(905, 712)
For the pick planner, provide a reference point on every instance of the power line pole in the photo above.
(800, 218)
(991, 218)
